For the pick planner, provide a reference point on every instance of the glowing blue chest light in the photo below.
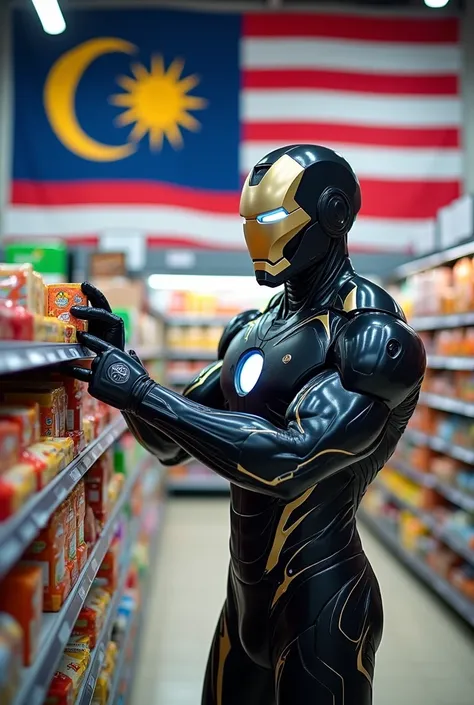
(249, 369)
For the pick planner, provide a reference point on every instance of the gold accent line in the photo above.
(354, 641)
(289, 475)
(250, 326)
(283, 532)
(297, 408)
(321, 317)
(342, 682)
(288, 579)
(360, 666)
(224, 650)
(202, 378)
(280, 665)
(350, 302)
(324, 452)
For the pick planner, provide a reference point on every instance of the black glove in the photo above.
(103, 323)
(115, 378)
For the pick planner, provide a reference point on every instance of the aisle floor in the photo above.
(426, 657)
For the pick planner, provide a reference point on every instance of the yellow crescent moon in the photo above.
(60, 93)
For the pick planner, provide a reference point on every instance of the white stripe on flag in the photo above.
(220, 230)
(347, 55)
(302, 106)
(379, 162)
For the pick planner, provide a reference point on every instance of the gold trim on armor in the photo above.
(360, 666)
(350, 302)
(283, 532)
(202, 378)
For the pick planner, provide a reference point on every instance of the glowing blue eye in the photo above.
(272, 216)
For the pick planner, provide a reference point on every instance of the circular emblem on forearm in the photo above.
(118, 373)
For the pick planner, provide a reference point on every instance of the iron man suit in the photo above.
(304, 405)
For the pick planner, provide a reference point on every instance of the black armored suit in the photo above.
(304, 406)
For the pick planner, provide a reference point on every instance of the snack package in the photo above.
(79, 498)
(65, 449)
(108, 574)
(60, 298)
(92, 614)
(21, 596)
(74, 666)
(16, 486)
(49, 403)
(97, 484)
(61, 691)
(48, 552)
(27, 420)
(77, 644)
(9, 443)
(19, 323)
(11, 658)
(102, 688)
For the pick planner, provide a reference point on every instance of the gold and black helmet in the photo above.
(294, 202)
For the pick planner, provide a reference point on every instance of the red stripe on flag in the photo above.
(320, 133)
(126, 193)
(406, 199)
(385, 84)
(391, 28)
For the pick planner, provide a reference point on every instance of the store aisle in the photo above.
(426, 658)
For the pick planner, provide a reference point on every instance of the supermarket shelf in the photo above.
(454, 406)
(18, 355)
(465, 455)
(97, 658)
(454, 320)
(149, 353)
(453, 494)
(197, 320)
(445, 362)
(197, 483)
(190, 354)
(444, 535)
(118, 673)
(454, 598)
(57, 628)
(18, 532)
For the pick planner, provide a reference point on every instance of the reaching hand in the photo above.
(115, 377)
(103, 323)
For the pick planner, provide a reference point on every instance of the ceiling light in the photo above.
(50, 16)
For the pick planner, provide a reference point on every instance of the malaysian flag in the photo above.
(148, 120)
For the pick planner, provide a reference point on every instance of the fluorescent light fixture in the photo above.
(436, 3)
(50, 16)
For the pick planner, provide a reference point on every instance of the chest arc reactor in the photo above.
(248, 371)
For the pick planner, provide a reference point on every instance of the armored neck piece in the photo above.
(317, 283)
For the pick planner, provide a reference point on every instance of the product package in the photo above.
(108, 574)
(92, 614)
(71, 539)
(16, 486)
(10, 440)
(59, 300)
(21, 596)
(21, 285)
(48, 552)
(27, 420)
(79, 498)
(68, 678)
(11, 658)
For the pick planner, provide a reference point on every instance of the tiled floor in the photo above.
(426, 658)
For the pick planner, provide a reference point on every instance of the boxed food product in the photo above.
(79, 497)
(27, 420)
(65, 449)
(21, 596)
(50, 404)
(97, 482)
(77, 644)
(68, 678)
(60, 299)
(16, 485)
(9, 443)
(11, 658)
(48, 552)
(19, 324)
(92, 615)
(22, 286)
(108, 574)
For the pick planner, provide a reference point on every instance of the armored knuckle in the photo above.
(379, 355)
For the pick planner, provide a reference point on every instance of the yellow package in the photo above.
(78, 644)
(102, 688)
(88, 428)
(39, 293)
(65, 447)
(16, 485)
(74, 666)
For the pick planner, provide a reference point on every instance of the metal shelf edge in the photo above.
(19, 356)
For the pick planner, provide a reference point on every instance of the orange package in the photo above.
(22, 286)
(27, 419)
(97, 483)
(92, 615)
(108, 574)
(21, 596)
(59, 300)
(16, 486)
(48, 552)
(49, 408)
(71, 539)
(9, 443)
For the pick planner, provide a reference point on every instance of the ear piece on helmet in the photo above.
(335, 212)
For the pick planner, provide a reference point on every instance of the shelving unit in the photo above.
(19, 356)
(58, 627)
(19, 531)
